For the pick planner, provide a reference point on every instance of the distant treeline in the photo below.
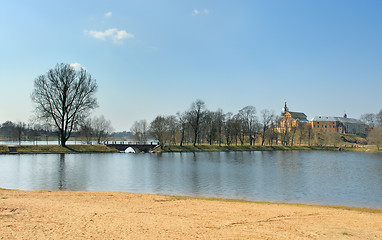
(121, 135)
(21, 131)
(198, 125)
(92, 130)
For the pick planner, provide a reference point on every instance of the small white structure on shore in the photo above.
(129, 150)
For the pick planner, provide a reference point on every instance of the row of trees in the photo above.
(199, 125)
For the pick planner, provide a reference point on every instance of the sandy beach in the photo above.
(103, 215)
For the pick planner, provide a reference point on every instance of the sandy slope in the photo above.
(95, 215)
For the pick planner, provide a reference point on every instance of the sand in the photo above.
(102, 215)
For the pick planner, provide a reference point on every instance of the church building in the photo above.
(290, 119)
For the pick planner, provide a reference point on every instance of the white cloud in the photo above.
(122, 34)
(108, 14)
(113, 33)
(77, 66)
(101, 35)
(197, 12)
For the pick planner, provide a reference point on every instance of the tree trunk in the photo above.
(63, 139)
(181, 140)
(195, 135)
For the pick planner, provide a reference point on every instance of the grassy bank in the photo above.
(216, 148)
(59, 149)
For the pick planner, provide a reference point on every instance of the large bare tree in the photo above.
(64, 97)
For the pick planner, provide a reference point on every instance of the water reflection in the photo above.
(61, 173)
(353, 179)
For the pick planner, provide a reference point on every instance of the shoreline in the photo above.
(239, 148)
(73, 149)
(100, 215)
(202, 198)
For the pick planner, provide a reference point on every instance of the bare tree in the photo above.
(102, 128)
(293, 130)
(212, 125)
(285, 134)
(182, 124)
(375, 137)
(20, 128)
(275, 130)
(86, 130)
(249, 122)
(47, 129)
(301, 127)
(195, 114)
(172, 128)
(135, 129)
(378, 117)
(158, 129)
(209, 126)
(32, 133)
(309, 129)
(369, 119)
(64, 96)
(140, 130)
(219, 122)
(267, 117)
(144, 130)
(240, 128)
(164, 129)
(229, 128)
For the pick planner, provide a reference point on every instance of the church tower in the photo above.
(285, 108)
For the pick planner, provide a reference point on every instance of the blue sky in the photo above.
(156, 57)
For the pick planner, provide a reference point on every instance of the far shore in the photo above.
(111, 215)
(224, 148)
(100, 148)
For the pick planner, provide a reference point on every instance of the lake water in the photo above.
(316, 177)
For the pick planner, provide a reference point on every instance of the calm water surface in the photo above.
(333, 178)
